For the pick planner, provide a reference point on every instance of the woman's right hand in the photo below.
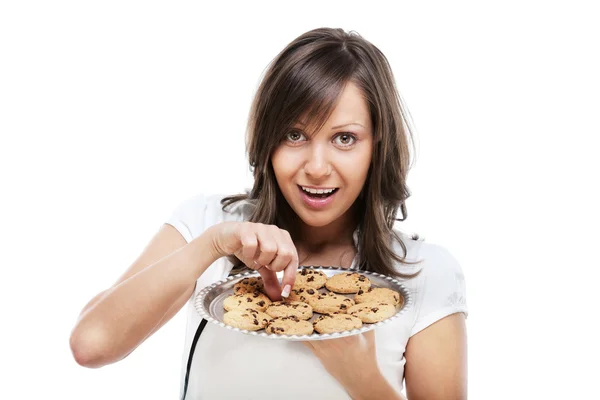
(264, 248)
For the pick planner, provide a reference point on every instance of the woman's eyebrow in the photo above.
(344, 125)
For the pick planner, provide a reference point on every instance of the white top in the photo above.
(231, 365)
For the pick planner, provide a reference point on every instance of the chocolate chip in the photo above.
(255, 322)
(362, 278)
(310, 291)
(343, 306)
(260, 303)
(349, 319)
(253, 283)
(256, 294)
(245, 315)
(370, 289)
(304, 272)
(396, 299)
(249, 300)
(360, 291)
(374, 309)
(310, 279)
(272, 329)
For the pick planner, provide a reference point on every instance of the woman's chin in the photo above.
(316, 221)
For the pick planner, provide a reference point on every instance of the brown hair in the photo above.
(306, 78)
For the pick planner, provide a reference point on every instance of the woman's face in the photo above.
(321, 176)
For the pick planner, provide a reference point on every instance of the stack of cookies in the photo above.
(249, 307)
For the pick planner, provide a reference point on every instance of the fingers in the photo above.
(267, 245)
(268, 249)
(249, 242)
(276, 248)
(271, 283)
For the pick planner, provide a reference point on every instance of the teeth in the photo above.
(317, 191)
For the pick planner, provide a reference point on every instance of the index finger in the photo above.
(289, 276)
(271, 283)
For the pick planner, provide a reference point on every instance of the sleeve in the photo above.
(188, 217)
(443, 289)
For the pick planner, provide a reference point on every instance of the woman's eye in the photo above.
(294, 136)
(345, 139)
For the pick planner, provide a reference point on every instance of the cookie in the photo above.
(331, 303)
(248, 285)
(249, 319)
(290, 308)
(372, 312)
(379, 295)
(348, 282)
(336, 323)
(289, 326)
(256, 300)
(303, 294)
(311, 278)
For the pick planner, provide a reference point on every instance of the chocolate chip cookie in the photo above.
(303, 294)
(249, 319)
(290, 308)
(311, 278)
(256, 300)
(379, 295)
(372, 312)
(336, 323)
(249, 285)
(348, 282)
(328, 303)
(289, 326)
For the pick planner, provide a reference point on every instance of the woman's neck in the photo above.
(337, 234)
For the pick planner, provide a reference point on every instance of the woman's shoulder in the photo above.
(440, 285)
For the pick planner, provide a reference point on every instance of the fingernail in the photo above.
(286, 291)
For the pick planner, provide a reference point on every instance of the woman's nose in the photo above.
(317, 165)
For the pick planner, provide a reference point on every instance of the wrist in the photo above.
(211, 236)
(204, 251)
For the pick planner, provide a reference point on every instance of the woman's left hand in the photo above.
(351, 360)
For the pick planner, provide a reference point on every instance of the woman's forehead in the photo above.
(351, 109)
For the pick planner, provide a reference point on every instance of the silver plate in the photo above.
(209, 303)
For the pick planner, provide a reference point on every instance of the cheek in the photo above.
(356, 168)
(281, 166)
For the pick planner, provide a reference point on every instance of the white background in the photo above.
(113, 112)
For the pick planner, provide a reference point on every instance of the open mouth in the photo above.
(318, 193)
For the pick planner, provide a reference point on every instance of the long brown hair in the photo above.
(306, 79)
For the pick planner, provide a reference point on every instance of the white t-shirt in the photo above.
(230, 365)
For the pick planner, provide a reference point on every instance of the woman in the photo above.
(328, 142)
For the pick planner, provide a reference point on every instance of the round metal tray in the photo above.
(209, 303)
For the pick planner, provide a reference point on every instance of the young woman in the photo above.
(328, 141)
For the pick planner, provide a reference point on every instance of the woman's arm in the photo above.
(436, 361)
(150, 293)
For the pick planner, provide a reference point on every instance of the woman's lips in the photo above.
(317, 203)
